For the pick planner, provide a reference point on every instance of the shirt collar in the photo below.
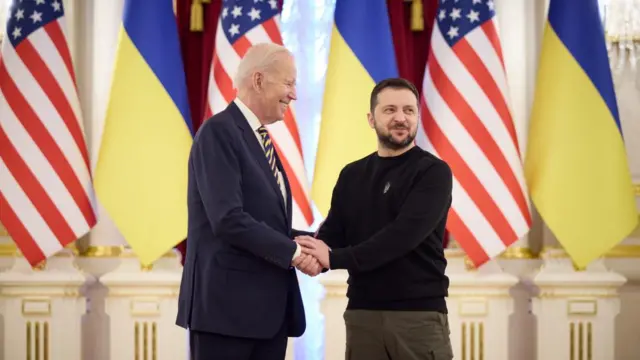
(254, 123)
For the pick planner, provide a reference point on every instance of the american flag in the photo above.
(242, 24)
(466, 121)
(46, 192)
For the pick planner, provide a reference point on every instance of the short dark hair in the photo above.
(393, 83)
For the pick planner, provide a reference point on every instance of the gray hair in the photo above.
(259, 57)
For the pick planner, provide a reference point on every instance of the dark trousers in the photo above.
(397, 335)
(210, 346)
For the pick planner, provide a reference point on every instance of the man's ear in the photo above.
(258, 81)
(371, 120)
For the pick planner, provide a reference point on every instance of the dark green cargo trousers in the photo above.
(397, 335)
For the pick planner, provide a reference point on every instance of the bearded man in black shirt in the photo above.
(386, 226)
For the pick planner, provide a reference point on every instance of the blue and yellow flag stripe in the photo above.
(152, 35)
(591, 57)
(366, 32)
(361, 54)
(141, 174)
(576, 165)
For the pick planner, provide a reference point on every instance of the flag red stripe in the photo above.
(41, 73)
(271, 28)
(19, 233)
(241, 46)
(467, 178)
(34, 190)
(487, 83)
(291, 124)
(54, 31)
(490, 31)
(297, 192)
(42, 141)
(225, 85)
(474, 126)
(47, 145)
(465, 238)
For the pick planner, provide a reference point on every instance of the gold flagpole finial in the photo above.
(197, 15)
(417, 19)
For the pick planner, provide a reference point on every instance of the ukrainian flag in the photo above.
(361, 55)
(141, 173)
(576, 166)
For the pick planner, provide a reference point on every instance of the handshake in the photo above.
(314, 256)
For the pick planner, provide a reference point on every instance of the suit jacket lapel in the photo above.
(287, 188)
(257, 151)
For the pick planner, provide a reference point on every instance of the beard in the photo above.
(388, 141)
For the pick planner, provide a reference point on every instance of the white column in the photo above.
(333, 306)
(42, 310)
(98, 42)
(623, 35)
(72, 21)
(4, 12)
(518, 31)
(97, 33)
(7, 249)
(576, 311)
(142, 308)
(480, 306)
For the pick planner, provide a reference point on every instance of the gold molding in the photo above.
(469, 265)
(102, 251)
(584, 312)
(636, 188)
(43, 310)
(453, 253)
(115, 251)
(464, 339)
(614, 39)
(553, 252)
(511, 253)
(518, 253)
(3, 231)
(8, 250)
(572, 296)
(470, 294)
(623, 251)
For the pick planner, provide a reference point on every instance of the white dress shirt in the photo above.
(255, 124)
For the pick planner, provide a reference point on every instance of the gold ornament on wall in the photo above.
(197, 14)
(417, 18)
(4, 14)
(3, 231)
(621, 20)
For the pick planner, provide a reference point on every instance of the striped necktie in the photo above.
(269, 151)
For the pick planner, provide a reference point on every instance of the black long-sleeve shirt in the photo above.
(386, 227)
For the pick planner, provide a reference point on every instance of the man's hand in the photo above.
(307, 264)
(316, 248)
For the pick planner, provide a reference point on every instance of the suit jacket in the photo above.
(237, 278)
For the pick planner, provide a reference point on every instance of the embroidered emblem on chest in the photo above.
(386, 187)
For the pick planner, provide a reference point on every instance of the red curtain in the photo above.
(412, 44)
(197, 51)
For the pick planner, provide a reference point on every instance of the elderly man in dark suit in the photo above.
(239, 295)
